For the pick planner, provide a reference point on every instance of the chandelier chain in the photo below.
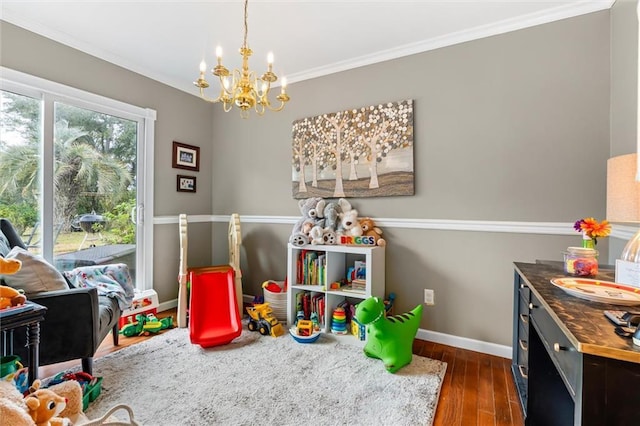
(246, 17)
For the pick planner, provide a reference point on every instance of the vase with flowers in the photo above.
(592, 230)
(583, 261)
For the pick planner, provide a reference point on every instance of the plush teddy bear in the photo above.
(329, 237)
(349, 224)
(9, 266)
(10, 297)
(369, 229)
(44, 405)
(348, 220)
(302, 228)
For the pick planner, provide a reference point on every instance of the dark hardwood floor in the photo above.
(478, 389)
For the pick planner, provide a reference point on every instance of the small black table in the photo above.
(30, 317)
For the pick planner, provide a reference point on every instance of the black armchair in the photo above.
(76, 322)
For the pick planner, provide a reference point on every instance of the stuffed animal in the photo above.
(302, 228)
(330, 212)
(44, 405)
(10, 297)
(348, 220)
(369, 229)
(14, 410)
(389, 339)
(317, 235)
(72, 392)
(9, 266)
(344, 205)
(349, 224)
(329, 237)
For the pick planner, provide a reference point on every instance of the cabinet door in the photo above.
(520, 343)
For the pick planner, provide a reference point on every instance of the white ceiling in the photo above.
(166, 40)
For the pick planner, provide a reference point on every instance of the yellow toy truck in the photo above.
(261, 318)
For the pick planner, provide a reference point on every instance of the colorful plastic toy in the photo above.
(339, 321)
(272, 286)
(153, 325)
(388, 304)
(388, 339)
(134, 328)
(261, 318)
(314, 319)
(304, 332)
(145, 325)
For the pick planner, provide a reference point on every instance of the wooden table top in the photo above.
(583, 321)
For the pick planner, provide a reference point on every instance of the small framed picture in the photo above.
(186, 183)
(186, 157)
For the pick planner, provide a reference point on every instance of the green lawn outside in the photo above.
(68, 242)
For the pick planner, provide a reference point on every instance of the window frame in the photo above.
(50, 92)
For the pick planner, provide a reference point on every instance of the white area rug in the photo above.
(264, 380)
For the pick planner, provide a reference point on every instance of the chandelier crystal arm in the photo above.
(246, 91)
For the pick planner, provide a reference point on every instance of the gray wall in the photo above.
(513, 127)
(624, 77)
(624, 89)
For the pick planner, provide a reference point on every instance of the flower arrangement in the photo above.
(592, 229)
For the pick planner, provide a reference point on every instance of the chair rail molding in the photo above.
(544, 228)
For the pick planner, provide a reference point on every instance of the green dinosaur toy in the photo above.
(388, 339)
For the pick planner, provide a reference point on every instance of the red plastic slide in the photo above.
(213, 311)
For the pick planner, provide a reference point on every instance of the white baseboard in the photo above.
(431, 336)
(465, 343)
(165, 306)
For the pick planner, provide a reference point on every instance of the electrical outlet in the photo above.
(429, 297)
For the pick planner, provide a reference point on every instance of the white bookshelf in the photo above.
(339, 258)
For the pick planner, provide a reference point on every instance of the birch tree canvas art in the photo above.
(363, 152)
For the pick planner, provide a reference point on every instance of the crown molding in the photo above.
(501, 27)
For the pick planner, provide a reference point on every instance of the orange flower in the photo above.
(595, 229)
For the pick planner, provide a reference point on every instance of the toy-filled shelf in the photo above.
(312, 269)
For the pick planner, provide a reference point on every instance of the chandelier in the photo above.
(243, 88)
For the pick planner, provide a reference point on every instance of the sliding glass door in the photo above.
(72, 179)
(94, 190)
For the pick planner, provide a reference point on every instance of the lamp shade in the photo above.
(623, 190)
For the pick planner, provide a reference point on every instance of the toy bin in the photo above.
(277, 301)
(91, 391)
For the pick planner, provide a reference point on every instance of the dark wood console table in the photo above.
(569, 366)
(30, 318)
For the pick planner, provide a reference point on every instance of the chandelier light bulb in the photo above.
(283, 85)
(243, 87)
